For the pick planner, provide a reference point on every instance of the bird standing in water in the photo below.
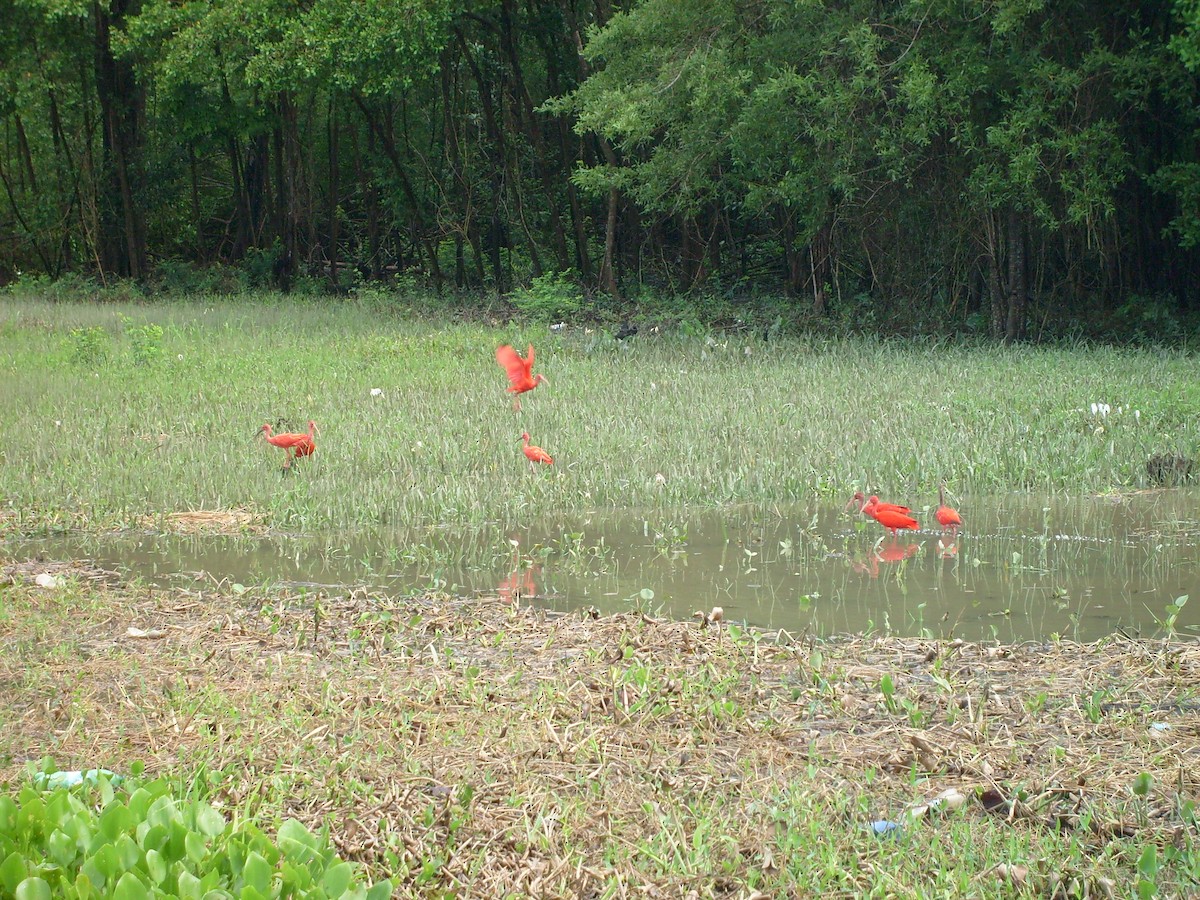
(875, 505)
(890, 518)
(520, 372)
(296, 444)
(535, 454)
(948, 518)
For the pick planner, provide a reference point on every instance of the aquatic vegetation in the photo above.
(418, 431)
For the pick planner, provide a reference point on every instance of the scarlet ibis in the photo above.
(890, 518)
(875, 504)
(295, 444)
(520, 372)
(535, 454)
(948, 518)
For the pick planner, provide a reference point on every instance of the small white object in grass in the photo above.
(376, 392)
(47, 580)
(134, 632)
(58, 423)
(716, 615)
(558, 326)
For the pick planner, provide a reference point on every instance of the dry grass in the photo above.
(492, 750)
(208, 521)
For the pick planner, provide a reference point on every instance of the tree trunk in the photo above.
(1014, 329)
(333, 193)
(122, 239)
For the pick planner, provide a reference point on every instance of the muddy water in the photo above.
(1023, 568)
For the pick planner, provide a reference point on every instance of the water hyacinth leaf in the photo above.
(32, 888)
(8, 814)
(32, 814)
(337, 879)
(381, 890)
(107, 862)
(12, 871)
(128, 851)
(196, 847)
(162, 811)
(256, 873)
(83, 886)
(139, 802)
(130, 888)
(156, 866)
(62, 849)
(210, 822)
(153, 838)
(296, 841)
(115, 820)
(188, 886)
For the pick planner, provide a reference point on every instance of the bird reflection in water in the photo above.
(522, 580)
(888, 554)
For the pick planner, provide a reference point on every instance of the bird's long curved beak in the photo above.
(850, 503)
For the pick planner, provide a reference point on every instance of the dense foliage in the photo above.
(94, 841)
(1012, 166)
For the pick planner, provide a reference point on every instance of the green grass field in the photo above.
(105, 419)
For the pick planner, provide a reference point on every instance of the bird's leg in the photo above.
(516, 404)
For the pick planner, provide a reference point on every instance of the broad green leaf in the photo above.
(156, 866)
(197, 847)
(188, 886)
(8, 814)
(209, 822)
(128, 851)
(12, 871)
(337, 879)
(130, 888)
(83, 886)
(257, 872)
(380, 890)
(61, 848)
(108, 862)
(32, 888)
(116, 820)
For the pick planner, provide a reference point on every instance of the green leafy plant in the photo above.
(89, 346)
(146, 341)
(93, 840)
(550, 297)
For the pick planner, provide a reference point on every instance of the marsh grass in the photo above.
(481, 749)
(104, 430)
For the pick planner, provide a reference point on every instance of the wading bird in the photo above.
(875, 504)
(891, 519)
(295, 444)
(535, 454)
(948, 518)
(520, 372)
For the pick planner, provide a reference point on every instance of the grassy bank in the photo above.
(112, 413)
(478, 749)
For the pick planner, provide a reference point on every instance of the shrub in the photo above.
(89, 346)
(93, 840)
(550, 297)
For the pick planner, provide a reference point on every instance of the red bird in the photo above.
(877, 506)
(948, 518)
(890, 518)
(520, 372)
(296, 445)
(535, 454)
